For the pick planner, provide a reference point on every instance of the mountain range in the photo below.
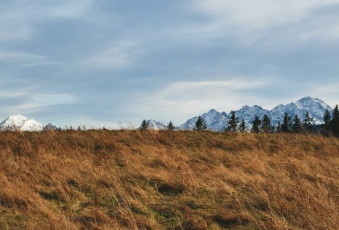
(217, 121)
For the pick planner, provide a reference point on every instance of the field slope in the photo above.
(168, 180)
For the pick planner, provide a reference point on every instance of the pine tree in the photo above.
(200, 124)
(297, 125)
(242, 126)
(308, 123)
(144, 125)
(327, 120)
(232, 123)
(335, 113)
(334, 124)
(170, 126)
(279, 127)
(286, 126)
(256, 124)
(266, 124)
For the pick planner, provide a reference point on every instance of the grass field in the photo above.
(168, 180)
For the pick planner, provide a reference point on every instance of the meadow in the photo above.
(131, 179)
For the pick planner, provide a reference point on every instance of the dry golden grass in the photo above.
(168, 180)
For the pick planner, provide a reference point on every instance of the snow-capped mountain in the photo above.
(213, 119)
(155, 125)
(247, 113)
(19, 122)
(218, 121)
(314, 106)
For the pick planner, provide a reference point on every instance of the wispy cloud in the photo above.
(185, 99)
(21, 20)
(258, 14)
(34, 101)
(252, 21)
(19, 59)
(12, 55)
(118, 55)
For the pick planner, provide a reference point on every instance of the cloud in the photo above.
(11, 55)
(181, 100)
(65, 9)
(20, 20)
(34, 101)
(235, 84)
(261, 20)
(20, 59)
(258, 14)
(118, 55)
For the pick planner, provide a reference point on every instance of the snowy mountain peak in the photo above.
(155, 125)
(212, 111)
(17, 117)
(19, 122)
(307, 102)
(213, 119)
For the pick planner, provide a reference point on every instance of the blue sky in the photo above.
(110, 61)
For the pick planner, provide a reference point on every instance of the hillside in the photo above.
(168, 180)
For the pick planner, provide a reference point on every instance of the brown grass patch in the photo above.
(168, 180)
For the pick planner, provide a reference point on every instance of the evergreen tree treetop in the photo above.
(308, 122)
(256, 124)
(327, 117)
(286, 125)
(297, 125)
(242, 126)
(170, 126)
(266, 124)
(335, 113)
(144, 125)
(232, 123)
(200, 124)
(334, 124)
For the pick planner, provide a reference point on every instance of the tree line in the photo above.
(264, 125)
(288, 124)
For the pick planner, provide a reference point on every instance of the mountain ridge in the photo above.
(215, 121)
(316, 108)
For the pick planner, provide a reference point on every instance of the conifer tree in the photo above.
(327, 120)
(200, 124)
(232, 123)
(144, 125)
(334, 124)
(256, 124)
(308, 123)
(170, 126)
(242, 126)
(266, 124)
(286, 125)
(297, 125)
(279, 127)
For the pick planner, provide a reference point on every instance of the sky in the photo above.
(116, 62)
